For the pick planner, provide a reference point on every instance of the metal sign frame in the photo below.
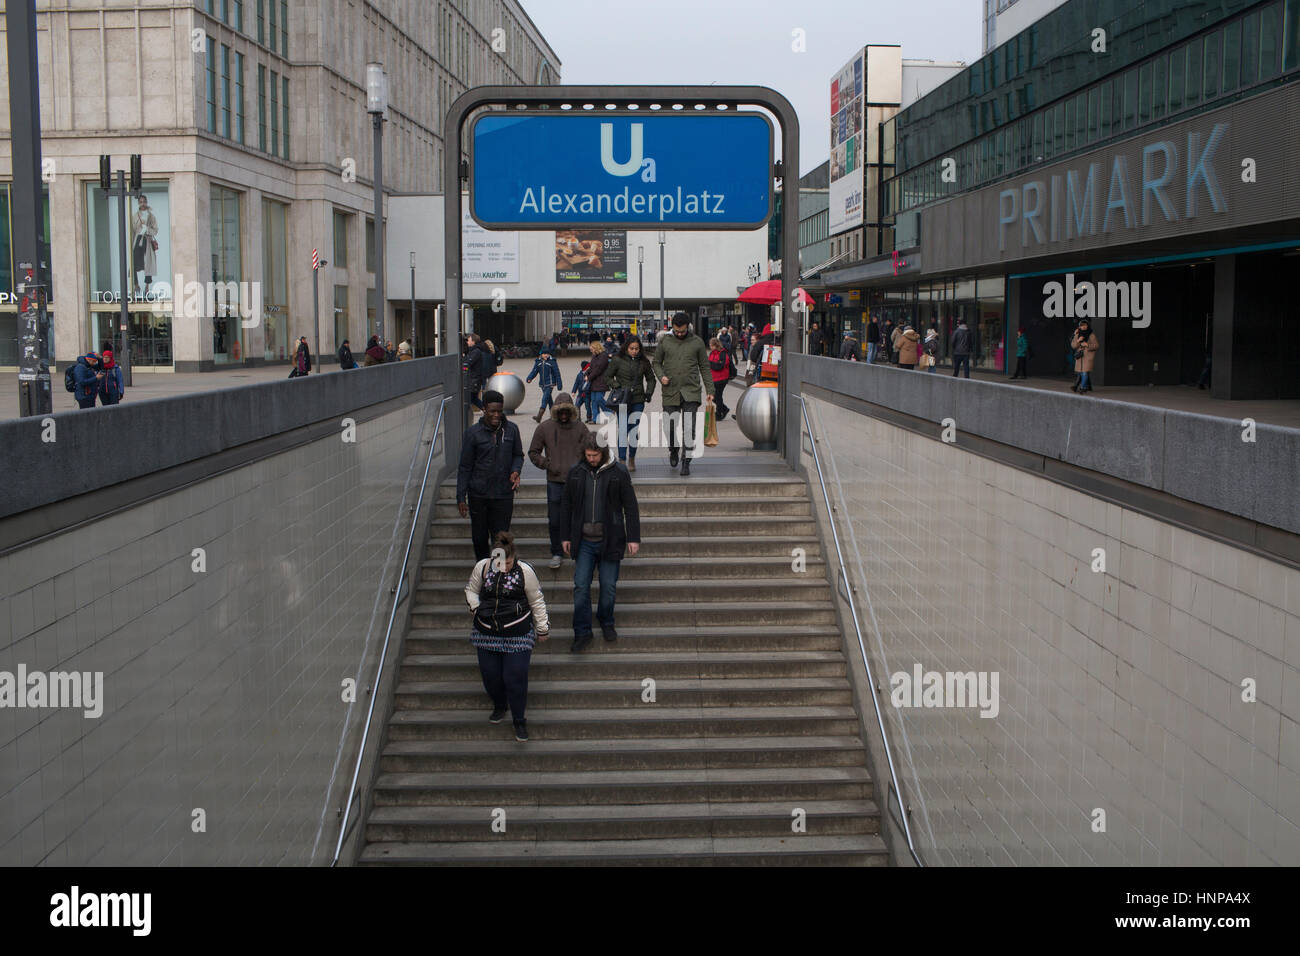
(642, 225)
(652, 100)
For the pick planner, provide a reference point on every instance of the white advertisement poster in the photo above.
(847, 102)
(487, 256)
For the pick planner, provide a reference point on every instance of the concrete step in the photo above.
(606, 724)
(495, 789)
(646, 488)
(730, 636)
(546, 694)
(780, 526)
(794, 850)
(646, 753)
(638, 590)
(750, 509)
(535, 547)
(631, 616)
(459, 824)
(725, 570)
(637, 664)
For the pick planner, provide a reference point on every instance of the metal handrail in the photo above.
(853, 610)
(388, 633)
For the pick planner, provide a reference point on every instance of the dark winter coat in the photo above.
(685, 363)
(611, 486)
(637, 375)
(549, 370)
(479, 364)
(557, 443)
(302, 359)
(961, 341)
(86, 379)
(596, 372)
(345, 358)
(487, 460)
(816, 342)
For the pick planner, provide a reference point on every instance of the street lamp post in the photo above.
(412, 305)
(663, 313)
(377, 107)
(640, 286)
(315, 310)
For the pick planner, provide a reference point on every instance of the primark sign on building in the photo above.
(1220, 170)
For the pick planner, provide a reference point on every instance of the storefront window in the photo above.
(228, 343)
(148, 269)
(275, 281)
(991, 346)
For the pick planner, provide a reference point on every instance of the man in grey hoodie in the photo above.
(556, 447)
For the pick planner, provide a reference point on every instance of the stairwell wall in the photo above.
(1163, 691)
(224, 736)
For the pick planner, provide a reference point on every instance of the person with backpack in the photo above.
(111, 386)
(724, 370)
(509, 618)
(556, 447)
(630, 377)
(548, 368)
(82, 379)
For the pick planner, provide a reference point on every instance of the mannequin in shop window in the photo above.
(144, 243)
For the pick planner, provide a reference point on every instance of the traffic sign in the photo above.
(621, 170)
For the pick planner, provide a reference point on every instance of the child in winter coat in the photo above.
(582, 391)
(549, 370)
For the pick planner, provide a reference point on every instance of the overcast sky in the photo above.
(698, 42)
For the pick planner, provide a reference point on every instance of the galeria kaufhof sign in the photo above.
(621, 170)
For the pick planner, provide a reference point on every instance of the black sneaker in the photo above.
(521, 730)
(609, 633)
(686, 467)
(673, 458)
(580, 643)
(498, 715)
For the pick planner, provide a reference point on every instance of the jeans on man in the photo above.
(681, 427)
(505, 678)
(587, 558)
(546, 399)
(598, 405)
(1085, 383)
(487, 516)
(960, 361)
(872, 349)
(630, 425)
(554, 498)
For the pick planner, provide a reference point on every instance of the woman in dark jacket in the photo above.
(597, 382)
(302, 358)
(509, 611)
(630, 369)
(346, 360)
(374, 352)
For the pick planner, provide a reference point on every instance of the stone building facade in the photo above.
(250, 116)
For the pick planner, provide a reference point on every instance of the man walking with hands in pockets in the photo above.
(681, 364)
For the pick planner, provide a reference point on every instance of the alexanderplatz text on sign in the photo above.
(634, 157)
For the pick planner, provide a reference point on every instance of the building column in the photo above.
(1098, 326)
(1225, 292)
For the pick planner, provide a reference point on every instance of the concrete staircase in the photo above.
(752, 715)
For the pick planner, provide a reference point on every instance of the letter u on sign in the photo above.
(607, 150)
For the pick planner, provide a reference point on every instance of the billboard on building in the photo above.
(847, 104)
(591, 255)
(487, 256)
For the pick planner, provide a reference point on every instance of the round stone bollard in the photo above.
(756, 415)
(510, 387)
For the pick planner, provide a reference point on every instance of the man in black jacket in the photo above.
(816, 341)
(491, 458)
(599, 518)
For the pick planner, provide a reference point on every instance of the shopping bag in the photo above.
(710, 426)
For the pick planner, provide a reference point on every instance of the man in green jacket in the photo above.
(681, 364)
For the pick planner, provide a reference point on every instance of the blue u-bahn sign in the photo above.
(621, 170)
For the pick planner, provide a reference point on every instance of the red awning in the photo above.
(769, 293)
